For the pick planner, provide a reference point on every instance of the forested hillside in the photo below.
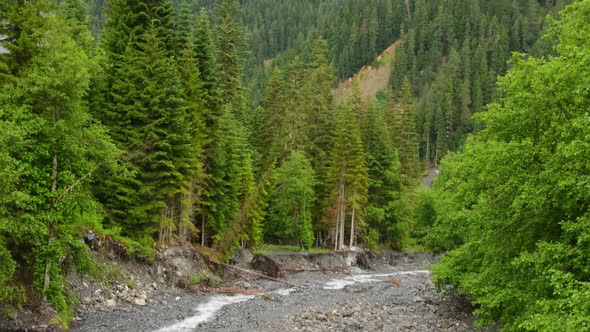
(214, 124)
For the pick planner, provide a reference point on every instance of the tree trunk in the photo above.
(203, 229)
(408, 11)
(342, 215)
(428, 148)
(352, 224)
(47, 279)
(337, 228)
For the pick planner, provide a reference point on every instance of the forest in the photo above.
(213, 123)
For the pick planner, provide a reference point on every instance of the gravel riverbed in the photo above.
(390, 298)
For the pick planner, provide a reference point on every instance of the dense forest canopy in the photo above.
(214, 123)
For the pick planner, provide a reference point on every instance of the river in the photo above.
(392, 298)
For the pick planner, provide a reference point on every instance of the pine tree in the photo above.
(385, 183)
(231, 171)
(21, 22)
(208, 70)
(403, 130)
(230, 43)
(187, 201)
(348, 174)
(152, 120)
(270, 140)
(318, 100)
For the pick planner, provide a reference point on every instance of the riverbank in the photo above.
(398, 295)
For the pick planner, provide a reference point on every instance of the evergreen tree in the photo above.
(291, 202)
(230, 43)
(152, 121)
(231, 171)
(318, 100)
(270, 141)
(348, 174)
(204, 48)
(403, 130)
(385, 212)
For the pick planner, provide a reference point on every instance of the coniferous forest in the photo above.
(213, 123)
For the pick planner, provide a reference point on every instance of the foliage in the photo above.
(150, 135)
(291, 202)
(513, 207)
(385, 212)
(52, 147)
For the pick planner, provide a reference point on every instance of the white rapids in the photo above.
(365, 278)
(205, 312)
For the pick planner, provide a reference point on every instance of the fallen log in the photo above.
(235, 268)
(231, 290)
(323, 270)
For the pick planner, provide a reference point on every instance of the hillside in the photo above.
(371, 79)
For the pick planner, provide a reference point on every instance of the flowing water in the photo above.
(207, 310)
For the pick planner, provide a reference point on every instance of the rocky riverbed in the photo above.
(398, 295)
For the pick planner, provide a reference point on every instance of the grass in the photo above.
(386, 59)
(204, 277)
(414, 246)
(287, 249)
(131, 283)
(195, 280)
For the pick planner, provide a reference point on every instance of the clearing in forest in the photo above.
(371, 79)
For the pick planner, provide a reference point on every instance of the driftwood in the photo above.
(231, 290)
(323, 270)
(395, 280)
(224, 290)
(235, 268)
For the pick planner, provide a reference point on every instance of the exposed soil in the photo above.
(371, 79)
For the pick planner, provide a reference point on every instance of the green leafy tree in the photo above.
(53, 146)
(513, 207)
(292, 200)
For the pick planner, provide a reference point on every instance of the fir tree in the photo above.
(230, 43)
(385, 183)
(152, 119)
(402, 123)
(348, 174)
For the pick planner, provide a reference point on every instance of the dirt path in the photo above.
(391, 298)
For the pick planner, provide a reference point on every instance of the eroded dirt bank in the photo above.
(397, 295)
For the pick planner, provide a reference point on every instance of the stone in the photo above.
(243, 284)
(110, 302)
(139, 302)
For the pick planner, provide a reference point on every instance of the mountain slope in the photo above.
(372, 79)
